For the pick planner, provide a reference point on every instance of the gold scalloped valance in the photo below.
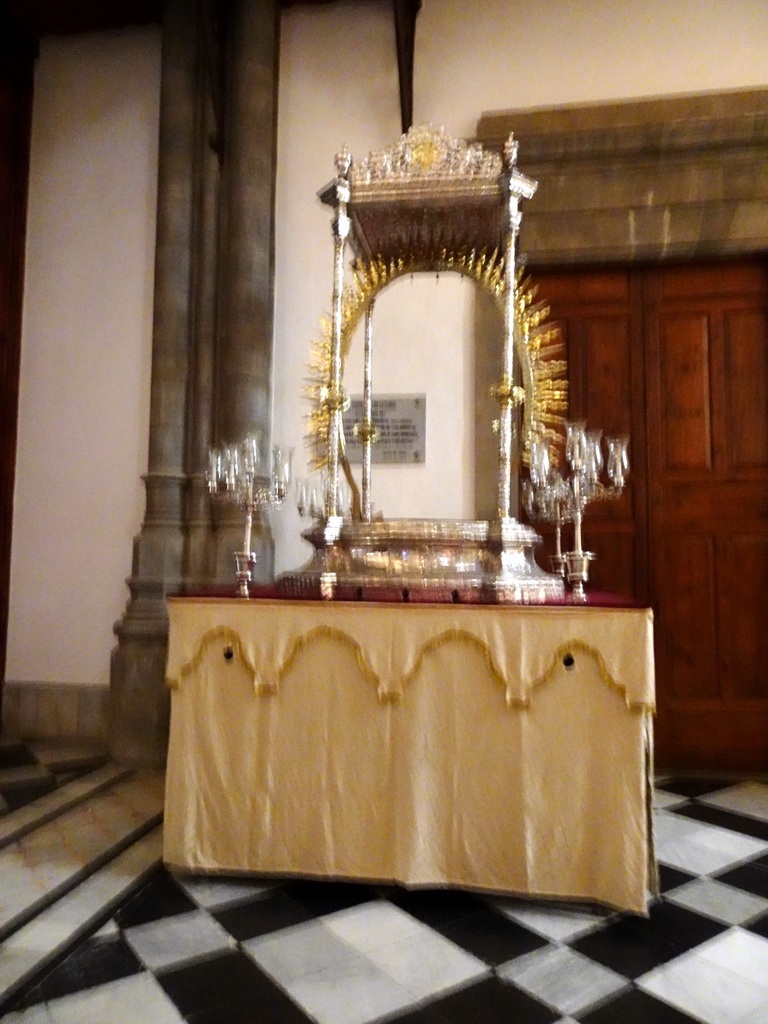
(523, 647)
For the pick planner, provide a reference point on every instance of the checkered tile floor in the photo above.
(242, 951)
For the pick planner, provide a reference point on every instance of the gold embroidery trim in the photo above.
(463, 637)
(232, 638)
(329, 633)
(580, 646)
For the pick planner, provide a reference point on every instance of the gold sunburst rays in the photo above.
(368, 279)
(540, 347)
(541, 351)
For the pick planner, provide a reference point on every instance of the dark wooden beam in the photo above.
(214, 20)
(405, 37)
(53, 17)
(17, 55)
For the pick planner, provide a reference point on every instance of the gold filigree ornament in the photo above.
(424, 154)
(427, 151)
(540, 349)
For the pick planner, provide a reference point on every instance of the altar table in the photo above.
(497, 748)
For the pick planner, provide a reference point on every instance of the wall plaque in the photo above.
(402, 424)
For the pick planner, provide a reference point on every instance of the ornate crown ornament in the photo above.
(427, 153)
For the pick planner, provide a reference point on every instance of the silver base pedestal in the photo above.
(518, 579)
(460, 559)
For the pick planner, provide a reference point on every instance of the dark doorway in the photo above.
(17, 55)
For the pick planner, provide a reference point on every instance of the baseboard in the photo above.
(36, 710)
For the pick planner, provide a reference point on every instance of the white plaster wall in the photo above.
(338, 84)
(500, 55)
(423, 344)
(86, 348)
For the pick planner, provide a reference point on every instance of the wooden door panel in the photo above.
(730, 502)
(684, 409)
(710, 736)
(681, 354)
(743, 613)
(746, 383)
(702, 282)
(612, 571)
(602, 395)
(568, 288)
(686, 647)
(594, 312)
(707, 351)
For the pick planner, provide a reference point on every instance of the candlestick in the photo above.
(563, 498)
(233, 472)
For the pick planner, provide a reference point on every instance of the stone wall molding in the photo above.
(666, 178)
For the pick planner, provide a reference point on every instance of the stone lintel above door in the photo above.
(682, 177)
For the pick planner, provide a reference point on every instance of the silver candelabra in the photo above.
(233, 471)
(312, 497)
(561, 498)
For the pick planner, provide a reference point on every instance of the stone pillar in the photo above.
(246, 264)
(199, 564)
(212, 334)
(138, 699)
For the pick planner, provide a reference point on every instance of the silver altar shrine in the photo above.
(431, 203)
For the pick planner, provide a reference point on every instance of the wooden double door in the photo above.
(677, 356)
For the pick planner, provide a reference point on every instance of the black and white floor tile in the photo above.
(216, 950)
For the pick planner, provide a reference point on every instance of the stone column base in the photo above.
(139, 702)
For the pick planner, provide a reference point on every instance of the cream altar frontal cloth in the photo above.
(497, 748)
